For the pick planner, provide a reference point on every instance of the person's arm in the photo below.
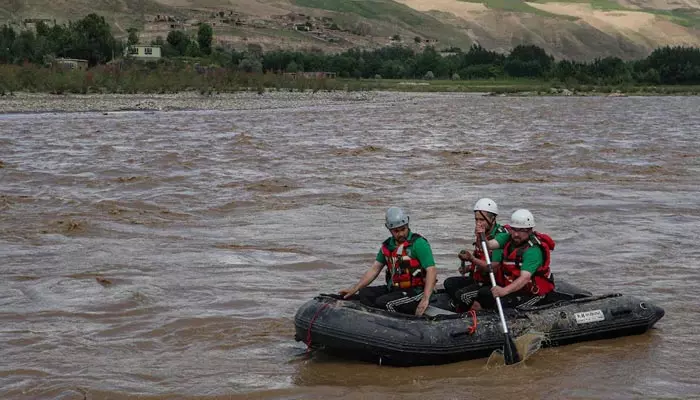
(532, 260)
(518, 284)
(430, 279)
(366, 279)
(492, 244)
(481, 264)
(499, 241)
(467, 256)
(424, 254)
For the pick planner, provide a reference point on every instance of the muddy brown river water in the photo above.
(164, 254)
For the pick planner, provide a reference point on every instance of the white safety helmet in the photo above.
(395, 218)
(487, 205)
(522, 219)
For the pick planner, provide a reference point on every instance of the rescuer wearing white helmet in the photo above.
(525, 277)
(463, 289)
(411, 272)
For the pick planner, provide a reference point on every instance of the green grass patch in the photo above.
(518, 6)
(439, 85)
(607, 5)
(512, 86)
(507, 5)
(370, 9)
(603, 5)
(689, 18)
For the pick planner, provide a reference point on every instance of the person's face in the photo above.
(482, 221)
(400, 234)
(520, 235)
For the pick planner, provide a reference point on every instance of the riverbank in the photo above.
(23, 102)
(526, 87)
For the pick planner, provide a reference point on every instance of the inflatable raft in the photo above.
(349, 329)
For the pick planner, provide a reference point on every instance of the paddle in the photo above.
(510, 352)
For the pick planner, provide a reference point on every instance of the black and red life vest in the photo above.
(476, 273)
(403, 271)
(542, 281)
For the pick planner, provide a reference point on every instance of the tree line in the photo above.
(91, 39)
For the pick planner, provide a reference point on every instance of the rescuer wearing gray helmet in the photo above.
(411, 272)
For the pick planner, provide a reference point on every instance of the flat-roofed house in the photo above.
(143, 52)
(72, 63)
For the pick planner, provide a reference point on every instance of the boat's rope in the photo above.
(311, 323)
(472, 329)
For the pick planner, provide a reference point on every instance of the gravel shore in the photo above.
(42, 102)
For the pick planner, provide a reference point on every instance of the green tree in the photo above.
(42, 29)
(250, 65)
(193, 50)
(292, 67)
(92, 39)
(61, 40)
(528, 61)
(179, 41)
(478, 55)
(392, 69)
(430, 61)
(611, 70)
(236, 57)
(133, 37)
(342, 64)
(7, 38)
(676, 65)
(23, 47)
(204, 38)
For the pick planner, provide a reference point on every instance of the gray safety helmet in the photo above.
(395, 218)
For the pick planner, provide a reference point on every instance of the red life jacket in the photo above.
(403, 272)
(541, 282)
(476, 273)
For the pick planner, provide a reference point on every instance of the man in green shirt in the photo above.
(525, 277)
(474, 275)
(411, 272)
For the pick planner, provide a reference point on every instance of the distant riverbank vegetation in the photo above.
(28, 63)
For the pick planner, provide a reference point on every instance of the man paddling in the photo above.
(464, 289)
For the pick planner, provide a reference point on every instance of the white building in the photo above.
(143, 52)
(71, 63)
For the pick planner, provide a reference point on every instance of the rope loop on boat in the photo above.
(311, 323)
(472, 329)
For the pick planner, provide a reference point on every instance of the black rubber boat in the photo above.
(349, 329)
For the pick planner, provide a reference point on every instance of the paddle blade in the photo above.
(510, 351)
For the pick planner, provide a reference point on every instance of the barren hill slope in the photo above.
(576, 29)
